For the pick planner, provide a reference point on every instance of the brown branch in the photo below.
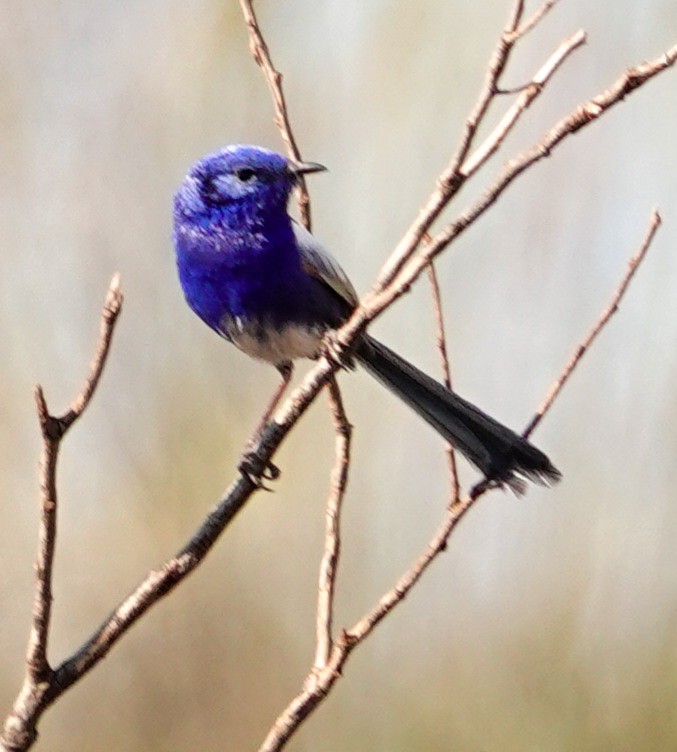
(446, 371)
(332, 538)
(528, 94)
(19, 730)
(261, 54)
(320, 682)
(452, 178)
(602, 321)
(534, 19)
(381, 298)
(315, 691)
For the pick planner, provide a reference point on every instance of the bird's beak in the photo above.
(305, 168)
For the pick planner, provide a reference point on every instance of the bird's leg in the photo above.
(251, 465)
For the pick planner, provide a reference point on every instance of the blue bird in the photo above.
(262, 282)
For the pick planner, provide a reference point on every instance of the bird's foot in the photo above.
(335, 352)
(256, 470)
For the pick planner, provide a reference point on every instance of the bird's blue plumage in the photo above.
(238, 259)
(265, 284)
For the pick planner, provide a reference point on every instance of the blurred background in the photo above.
(551, 621)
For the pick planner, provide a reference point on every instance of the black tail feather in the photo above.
(497, 451)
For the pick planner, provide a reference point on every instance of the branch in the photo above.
(320, 682)
(332, 538)
(446, 371)
(380, 298)
(535, 19)
(526, 97)
(454, 176)
(19, 730)
(261, 54)
(602, 321)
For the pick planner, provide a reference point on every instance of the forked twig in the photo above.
(382, 297)
(535, 19)
(461, 167)
(39, 675)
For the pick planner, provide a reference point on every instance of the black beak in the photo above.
(305, 168)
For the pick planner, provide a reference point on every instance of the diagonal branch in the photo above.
(461, 168)
(585, 114)
(528, 93)
(602, 321)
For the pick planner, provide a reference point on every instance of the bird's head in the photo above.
(240, 179)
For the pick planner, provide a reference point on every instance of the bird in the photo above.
(264, 283)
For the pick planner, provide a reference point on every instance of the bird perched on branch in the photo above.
(262, 282)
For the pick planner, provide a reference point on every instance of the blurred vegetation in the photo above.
(550, 623)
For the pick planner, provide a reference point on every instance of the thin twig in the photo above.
(491, 144)
(443, 350)
(261, 54)
(315, 691)
(534, 19)
(602, 321)
(332, 538)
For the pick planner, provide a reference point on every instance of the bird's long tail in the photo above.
(494, 449)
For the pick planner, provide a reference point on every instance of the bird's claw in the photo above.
(335, 352)
(256, 471)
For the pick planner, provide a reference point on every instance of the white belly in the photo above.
(276, 346)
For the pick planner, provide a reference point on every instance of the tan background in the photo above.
(550, 622)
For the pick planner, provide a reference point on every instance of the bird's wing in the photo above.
(319, 263)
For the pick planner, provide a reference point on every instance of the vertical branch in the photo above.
(53, 430)
(446, 371)
(37, 666)
(332, 539)
(261, 54)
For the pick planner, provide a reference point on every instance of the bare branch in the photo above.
(605, 316)
(19, 730)
(332, 538)
(319, 683)
(535, 19)
(446, 371)
(380, 298)
(259, 49)
(527, 96)
(451, 180)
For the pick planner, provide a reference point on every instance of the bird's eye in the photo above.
(245, 174)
